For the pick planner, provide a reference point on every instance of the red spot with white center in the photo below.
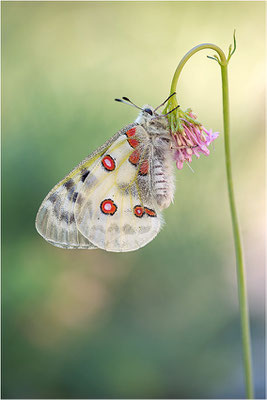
(150, 212)
(108, 163)
(144, 168)
(139, 211)
(108, 207)
(132, 142)
(134, 157)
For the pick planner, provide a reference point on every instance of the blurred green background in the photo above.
(161, 322)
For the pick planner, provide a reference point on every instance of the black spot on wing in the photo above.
(53, 198)
(70, 193)
(84, 175)
(67, 217)
(57, 207)
(68, 184)
(75, 197)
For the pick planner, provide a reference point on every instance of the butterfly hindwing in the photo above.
(115, 209)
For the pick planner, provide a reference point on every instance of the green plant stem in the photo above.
(242, 292)
(186, 57)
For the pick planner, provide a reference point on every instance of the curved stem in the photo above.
(242, 292)
(186, 57)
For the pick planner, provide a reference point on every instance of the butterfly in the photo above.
(113, 200)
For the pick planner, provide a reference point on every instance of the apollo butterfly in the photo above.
(113, 199)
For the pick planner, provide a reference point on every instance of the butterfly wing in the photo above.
(55, 219)
(115, 209)
(106, 201)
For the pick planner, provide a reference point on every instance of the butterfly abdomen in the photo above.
(163, 179)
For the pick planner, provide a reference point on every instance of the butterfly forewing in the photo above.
(55, 219)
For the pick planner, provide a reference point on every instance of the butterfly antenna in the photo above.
(164, 115)
(128, 102)
(165, 101)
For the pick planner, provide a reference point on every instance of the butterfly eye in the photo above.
(165, 140)
(148, 110)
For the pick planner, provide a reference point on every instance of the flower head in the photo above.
(191, 139)
(190, 136)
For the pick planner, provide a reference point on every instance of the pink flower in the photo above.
(192, 139)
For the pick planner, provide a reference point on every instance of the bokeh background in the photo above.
(161, 322)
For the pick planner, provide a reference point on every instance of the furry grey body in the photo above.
(159, 142)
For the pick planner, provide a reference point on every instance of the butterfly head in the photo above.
(154, 122)
(147, 114)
